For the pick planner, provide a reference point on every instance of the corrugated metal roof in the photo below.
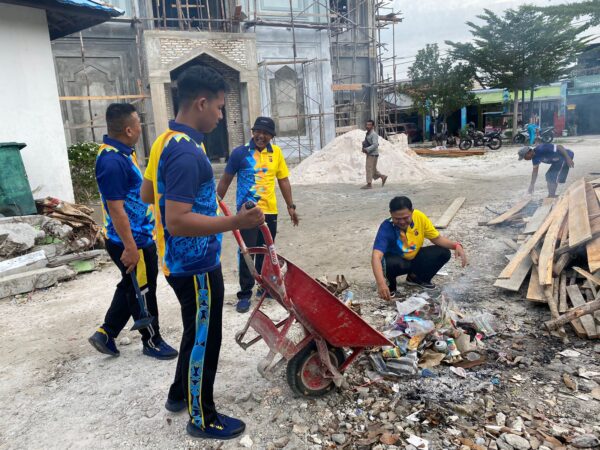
(94, 4)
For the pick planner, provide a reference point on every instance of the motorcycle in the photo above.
(521, 137)
(547, 135)
(476, 138)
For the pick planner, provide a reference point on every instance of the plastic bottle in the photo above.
(348, 297)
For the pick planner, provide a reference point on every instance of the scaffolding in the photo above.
(361, 91)
(363, 67)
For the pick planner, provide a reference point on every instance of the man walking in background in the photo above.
(128, 231)
(370, 147)
(257, 165)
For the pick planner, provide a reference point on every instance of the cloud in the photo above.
(435, 21)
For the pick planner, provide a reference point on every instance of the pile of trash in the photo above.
(38, 251)
(428, 332)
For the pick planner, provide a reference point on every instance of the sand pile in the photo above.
(341, 161)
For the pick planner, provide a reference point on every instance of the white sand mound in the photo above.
(342, 161)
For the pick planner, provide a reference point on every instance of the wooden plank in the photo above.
(535, 293)
(562, 293)
(516, 280)
(74, 98)
(553, 304)
(593, 247)
(578, 327)
(547, 253)
(588, 276)
(511, 212)
(449, 214)
(538, 217)
(587, 321)
(448, 153)
(560, 209)
(346, 87)
(579, 223)
(510, 243)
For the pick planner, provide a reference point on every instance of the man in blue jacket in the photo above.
(128, 231)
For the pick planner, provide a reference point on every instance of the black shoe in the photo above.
(223, 428)
(162, 350)
(392, 294)
(414, 281)
(102, 342)
(175, 406)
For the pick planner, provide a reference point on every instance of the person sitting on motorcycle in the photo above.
(559, 158)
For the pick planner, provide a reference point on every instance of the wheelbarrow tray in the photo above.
(325, 315)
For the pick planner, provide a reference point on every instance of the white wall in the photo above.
(29, 105)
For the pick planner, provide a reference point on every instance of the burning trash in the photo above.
(428, 332)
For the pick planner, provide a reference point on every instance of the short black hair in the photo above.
(399, 203)
(117, 115)
(371, 121)
(197, 80)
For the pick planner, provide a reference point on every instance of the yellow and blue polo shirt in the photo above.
(119, 178)
(390, 239)
(180, 171)
(256, 171)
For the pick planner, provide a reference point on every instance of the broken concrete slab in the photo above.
(35, 279)
(23, 263)
(82, 256)
(17, 238)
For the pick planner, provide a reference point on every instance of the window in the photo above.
(287, 102)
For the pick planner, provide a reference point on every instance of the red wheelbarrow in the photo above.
(333, 335)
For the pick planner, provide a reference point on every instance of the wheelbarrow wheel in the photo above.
(306, 373)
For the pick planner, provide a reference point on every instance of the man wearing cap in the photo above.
(257, 165)
(559, 158)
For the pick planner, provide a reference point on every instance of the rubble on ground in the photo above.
(39, 251)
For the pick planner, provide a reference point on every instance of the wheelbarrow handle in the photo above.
(267, 237)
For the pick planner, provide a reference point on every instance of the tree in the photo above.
(589, 9)
(520, 50)
(438, 86)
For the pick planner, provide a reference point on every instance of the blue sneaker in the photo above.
(243, 305)
(223, 428)
(162, 350)
(102, 342)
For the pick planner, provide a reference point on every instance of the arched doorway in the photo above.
(230, 131)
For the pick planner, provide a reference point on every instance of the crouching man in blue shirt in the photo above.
(128, 231)
(559, 158)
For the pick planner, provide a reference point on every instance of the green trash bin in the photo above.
(16, 198)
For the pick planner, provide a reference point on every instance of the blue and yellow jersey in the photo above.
(119, 178)
(256, 171)
(180, 171)
(390, 239)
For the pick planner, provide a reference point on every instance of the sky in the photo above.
(434, 21)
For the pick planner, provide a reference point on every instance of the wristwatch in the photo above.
(292, 206)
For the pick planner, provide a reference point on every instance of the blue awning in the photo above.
(70, 16)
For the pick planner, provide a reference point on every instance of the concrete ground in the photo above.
(57, 392)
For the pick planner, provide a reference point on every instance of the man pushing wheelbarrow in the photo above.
(333, 335)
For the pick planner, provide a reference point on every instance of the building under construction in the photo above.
(319, 68)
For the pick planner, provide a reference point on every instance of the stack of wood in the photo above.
(561, 232)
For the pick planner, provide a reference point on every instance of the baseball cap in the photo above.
(522, 152)
(264, 124)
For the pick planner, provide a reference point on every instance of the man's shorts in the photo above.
(558, 171)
